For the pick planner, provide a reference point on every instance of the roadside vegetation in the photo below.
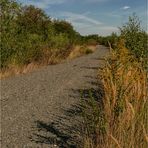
(30, 38)
(120, 118)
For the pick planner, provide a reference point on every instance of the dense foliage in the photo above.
(29, 35)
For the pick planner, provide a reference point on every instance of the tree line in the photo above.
(28, 35)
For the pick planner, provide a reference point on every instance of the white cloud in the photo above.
(126, 7)
(45, 3)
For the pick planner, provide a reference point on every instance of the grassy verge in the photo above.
(120, 118)
(49, 59)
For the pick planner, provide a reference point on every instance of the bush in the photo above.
(28, 49)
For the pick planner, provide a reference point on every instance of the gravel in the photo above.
(40, 109)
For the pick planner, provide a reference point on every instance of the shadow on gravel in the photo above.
(66, 130)
(96, 93)
(93, 68)
(52, 135)
(99, 59)
(63, 132)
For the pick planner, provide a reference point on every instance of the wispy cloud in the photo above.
(45, 3)
(94, 1)
(86, 25)
(126, 7)
(74, 17)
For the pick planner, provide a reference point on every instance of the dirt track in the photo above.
(40, 109)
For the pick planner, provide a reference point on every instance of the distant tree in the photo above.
(110, 40)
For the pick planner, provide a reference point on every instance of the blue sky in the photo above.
(93, 16)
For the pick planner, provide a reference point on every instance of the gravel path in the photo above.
(40, 109)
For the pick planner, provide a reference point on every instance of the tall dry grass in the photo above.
(51, 57)
(122, 121)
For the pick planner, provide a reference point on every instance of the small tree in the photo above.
(135, 37)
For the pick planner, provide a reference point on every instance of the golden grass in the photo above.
(16, 70)
(125, 104)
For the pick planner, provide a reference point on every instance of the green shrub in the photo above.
(59, 41)
(59, 45)
(28, 49)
